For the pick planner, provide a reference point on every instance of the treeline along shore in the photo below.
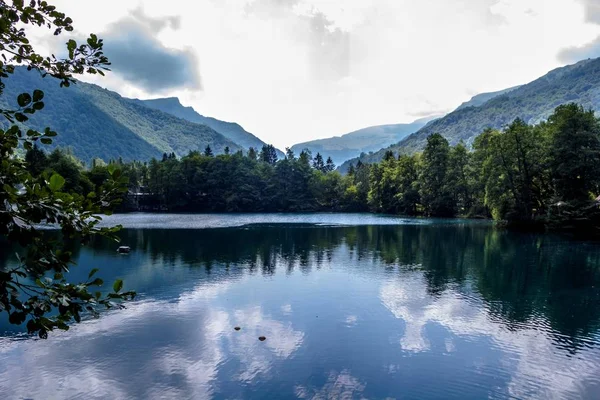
(543, 176)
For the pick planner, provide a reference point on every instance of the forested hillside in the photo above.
(96, 122)
(350, 145)
(523, 174)
(230, 130)
(532, 103)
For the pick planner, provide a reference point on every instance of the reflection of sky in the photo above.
(197, 221)
(349, 327)
(150, 350)
(537, 368)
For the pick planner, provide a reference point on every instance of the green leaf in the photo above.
(21, 117)
(96, 282)
(38, 95)
(38, 105)
(118, 285)
(46, 140)
(24, 99)
(92, 272)
(56, 182)
(111, 168)
(71, 45)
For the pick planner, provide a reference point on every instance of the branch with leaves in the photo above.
(37, 292)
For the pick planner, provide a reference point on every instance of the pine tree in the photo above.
(329, 165)
(208, 151)
(318, 163)
(252, 153)
(268, 154)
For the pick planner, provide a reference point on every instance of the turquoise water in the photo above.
(352, 306)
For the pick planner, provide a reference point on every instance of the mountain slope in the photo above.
(483, 98)
(342, 148)
(533, 103)
(96, 122)
(230, 130)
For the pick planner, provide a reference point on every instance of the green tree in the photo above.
(434, 190)
(329, 165)
(252, 153)
(208, 151)
(574, 152)
(36, 160)
(268, 154)
(318, 163)
(36, 291)
(407, 195)
(458, 178)
(514, 172)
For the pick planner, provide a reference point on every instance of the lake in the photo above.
(352, 306)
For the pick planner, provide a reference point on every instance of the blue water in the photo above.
(352, 306)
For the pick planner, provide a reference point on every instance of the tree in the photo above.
(252, 154)
(407, 196)
(574, 152)
(318, 163)
(226, 150)
(458, 177)
(36, 160)
(329, 165)
(208, 151)
(268, 154)
(36, 291)
(351, 170)
(289, 154)
(514, 171)
(435, 194)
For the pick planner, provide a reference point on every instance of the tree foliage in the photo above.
(36, 291)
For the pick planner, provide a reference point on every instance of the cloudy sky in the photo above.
(295, 70)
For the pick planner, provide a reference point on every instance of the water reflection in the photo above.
(421, 311)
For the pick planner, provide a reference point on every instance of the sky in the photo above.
(296, 70)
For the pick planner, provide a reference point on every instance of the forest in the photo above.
(544, 175)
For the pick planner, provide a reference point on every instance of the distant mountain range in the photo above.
(532, 102)
(96, 122)
(350, 145)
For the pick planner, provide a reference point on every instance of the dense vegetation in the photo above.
(36, 291)
(113, 126)
(531, 175)
(532, 103)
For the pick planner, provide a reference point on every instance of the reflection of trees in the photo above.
(521, 277)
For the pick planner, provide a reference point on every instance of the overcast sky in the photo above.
(295, 70)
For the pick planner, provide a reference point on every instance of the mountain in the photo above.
(345, 147)
(230, 130)
(483, 98)
(96, 122)
(532, 102)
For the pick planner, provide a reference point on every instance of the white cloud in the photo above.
(295, 70)
(537, 369)
(185, 342)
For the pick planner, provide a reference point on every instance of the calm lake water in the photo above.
(352, 306)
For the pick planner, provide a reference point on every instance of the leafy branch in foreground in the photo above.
(36, 291)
